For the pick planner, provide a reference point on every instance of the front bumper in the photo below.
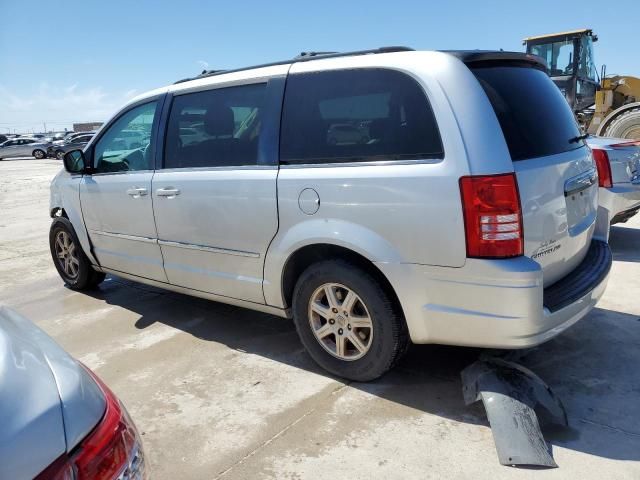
(618, 202)
(496, 303)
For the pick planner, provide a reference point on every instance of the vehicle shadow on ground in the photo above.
(592, 367)
(625, 243)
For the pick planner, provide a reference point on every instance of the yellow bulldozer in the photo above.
(603, 105)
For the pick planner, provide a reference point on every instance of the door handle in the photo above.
(136, 192)
(167, 192)
(579, 183)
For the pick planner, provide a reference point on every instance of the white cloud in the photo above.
(58, 106)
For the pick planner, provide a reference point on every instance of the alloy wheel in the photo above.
(66, 254)
(340, 321)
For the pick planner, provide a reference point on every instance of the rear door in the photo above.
(116, 198)
(26, 149)
(557, 179)
(215, 197)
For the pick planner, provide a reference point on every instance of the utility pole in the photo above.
(45, 127)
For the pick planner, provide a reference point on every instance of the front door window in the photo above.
(126, 145)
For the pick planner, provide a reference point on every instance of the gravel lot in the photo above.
(221, 392)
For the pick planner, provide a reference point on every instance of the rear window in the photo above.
(355, 116)
(536, 119)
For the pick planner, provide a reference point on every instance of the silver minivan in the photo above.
(464, 213)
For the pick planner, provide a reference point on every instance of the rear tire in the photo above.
(59, 154)
(625, 125)
(39, 154)
(358, 342)
(70, 261)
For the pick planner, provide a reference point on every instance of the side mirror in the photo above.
(74, 161)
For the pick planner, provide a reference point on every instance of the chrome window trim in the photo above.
(372, 163)
(122, 236)
(221, 168)
(123, 172)
(203, 248)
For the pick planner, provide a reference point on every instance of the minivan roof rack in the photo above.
(303, 57)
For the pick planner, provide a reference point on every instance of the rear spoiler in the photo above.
(487, 58)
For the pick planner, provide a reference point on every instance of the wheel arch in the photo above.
(58, 212)
(299, 260)
(612, 116)
(64, 201)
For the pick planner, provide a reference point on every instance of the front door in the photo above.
(18, 148)
(116, 197)
(215, 198)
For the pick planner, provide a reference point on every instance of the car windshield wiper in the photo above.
(578, 138)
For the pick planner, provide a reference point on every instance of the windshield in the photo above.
(586, 65)
(559, 56)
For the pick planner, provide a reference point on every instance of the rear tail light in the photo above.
(632, 143)
(604, 167)
(111, 451)
(492, 216)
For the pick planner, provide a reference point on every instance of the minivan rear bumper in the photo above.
(496, 303)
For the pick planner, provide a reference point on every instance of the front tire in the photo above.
(347, 321)
(70, 261)
(39, 154)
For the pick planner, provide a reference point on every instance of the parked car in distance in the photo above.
(23, 147)
(452, 221)
(618, 162)
(58, 150)
(56, 137)
(72, 135)
(59, 420)
(3, 138)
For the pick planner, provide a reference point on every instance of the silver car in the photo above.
(23, 147)
(59, 421)
(464, 214)
(618, 162)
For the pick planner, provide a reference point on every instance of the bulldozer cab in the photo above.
(570, 60)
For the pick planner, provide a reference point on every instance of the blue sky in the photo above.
(66, 61)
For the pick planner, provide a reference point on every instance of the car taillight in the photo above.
(631, 143)
(492, 216)
(111, 451)
(601, 158)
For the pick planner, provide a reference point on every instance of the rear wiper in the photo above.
(578, 138)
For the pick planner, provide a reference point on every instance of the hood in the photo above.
(48, 402)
